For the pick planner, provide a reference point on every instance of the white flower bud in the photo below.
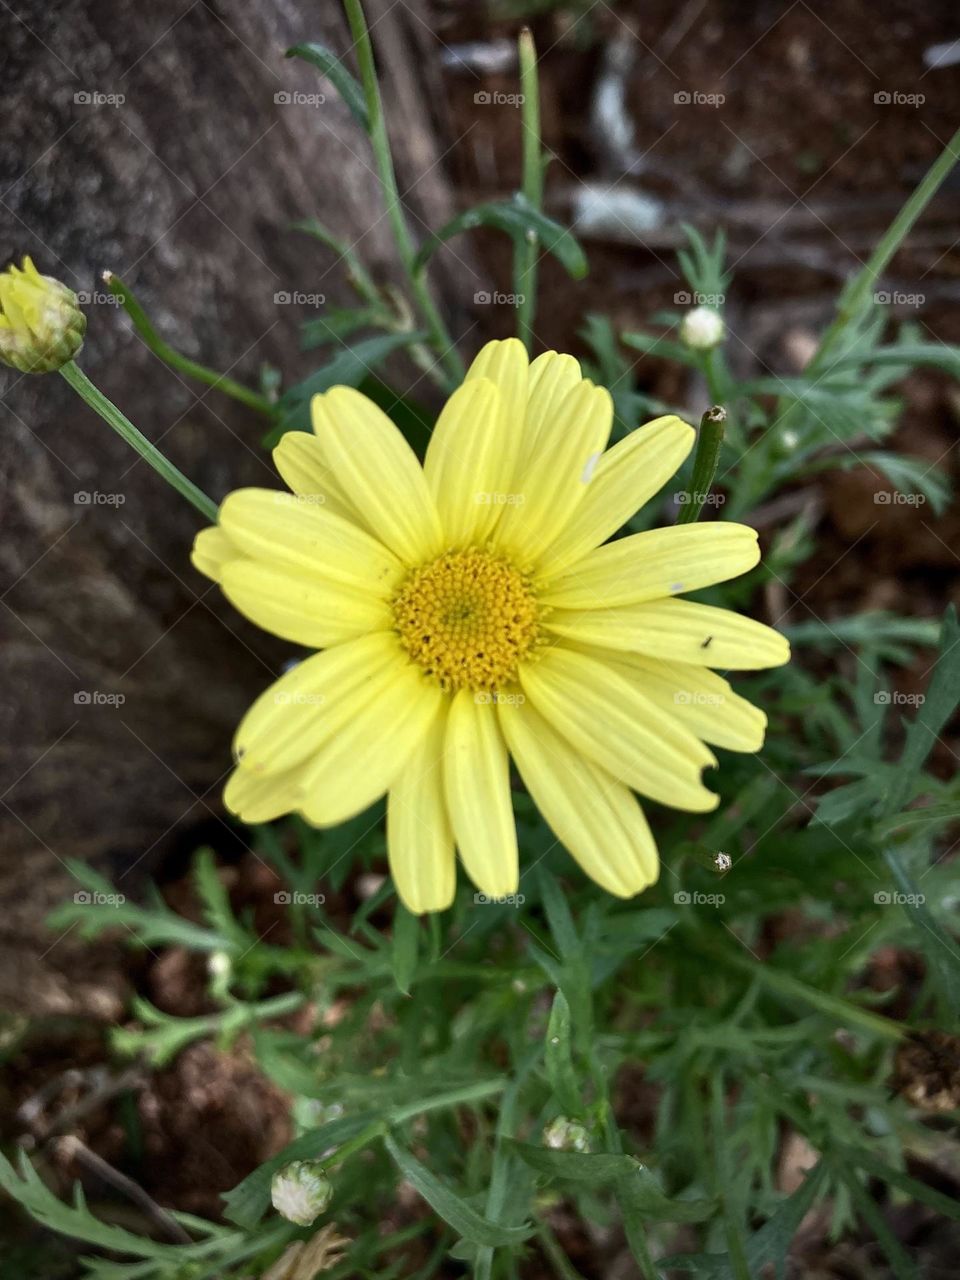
(701, 329)
(300, 1192)
(566, 1135)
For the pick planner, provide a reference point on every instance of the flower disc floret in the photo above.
(469, 618)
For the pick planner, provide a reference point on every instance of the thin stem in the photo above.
(709, 441)
(138, 441)
(855, 296)
(442, 342)
(526, 254)
(174, 359)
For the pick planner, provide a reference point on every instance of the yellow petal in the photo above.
(295, 534)
(379, 473)
(676, 630)
(419, 836)
(476, 775)
(649, 566)
(212, 549)
(505, 365)
(464, 463)
(627, 476)
(300, 459)
(552, 378)
(300, 607)
(597, 818)
(355, 766)
(294, 717)
(559, 473)
(258, 797)
(700, 699)
(607, 718)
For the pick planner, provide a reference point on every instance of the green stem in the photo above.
(733, 1223)
(526, 254)
(709, 441)
(173, 358)
(137, 441)
(440, 338)
(855, 296)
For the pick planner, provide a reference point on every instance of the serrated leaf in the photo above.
(942, 698)
(454, 1210)
(330, 65)
(521, 221)
(912, 477)
(941, 951)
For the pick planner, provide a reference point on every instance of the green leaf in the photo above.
(942, 697)
(450, 1207)
(406, 945)
(558, 1058)
(348, 368)
(594, 1168)
(330, 65)
(520, 220)
(640, 1196)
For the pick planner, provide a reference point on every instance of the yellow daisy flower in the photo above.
(471, 610)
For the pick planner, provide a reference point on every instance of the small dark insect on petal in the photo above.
(706, 643)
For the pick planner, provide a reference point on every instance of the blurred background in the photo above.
(174, 145)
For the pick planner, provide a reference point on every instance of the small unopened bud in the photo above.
(300, 1192)
(701, 329)
(566, 1135)
(41, 324)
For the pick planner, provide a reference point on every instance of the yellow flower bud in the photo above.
(41, 324)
